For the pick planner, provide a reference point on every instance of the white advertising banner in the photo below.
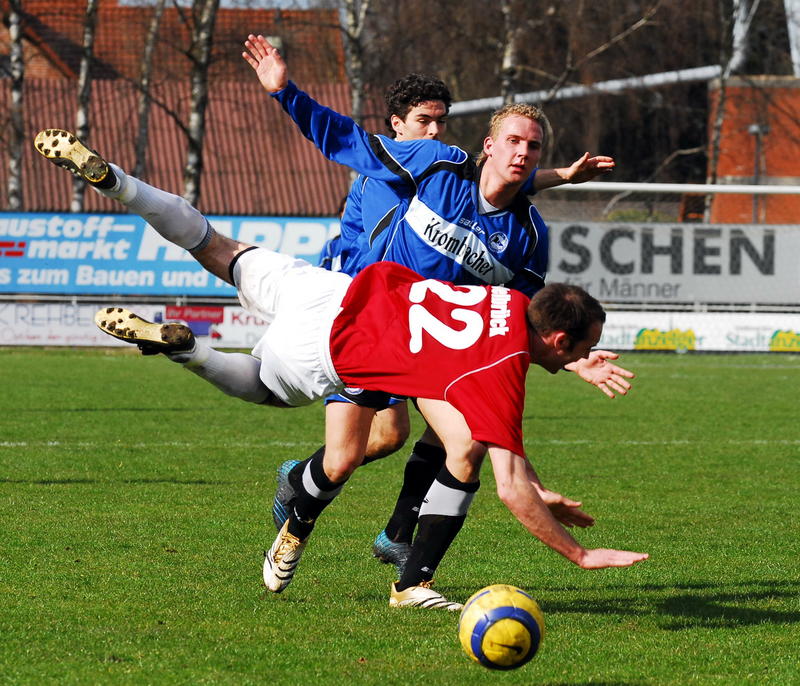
(678, 263)
(65, 324)
(68, 324)
(58, 323)
(702, 331)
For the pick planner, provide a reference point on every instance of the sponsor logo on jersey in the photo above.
(471, 225)
(499, 313)
(498, 242)
(456, 242)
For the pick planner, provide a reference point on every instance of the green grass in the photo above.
(134, 509)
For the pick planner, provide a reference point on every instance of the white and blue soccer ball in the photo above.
(501, 627)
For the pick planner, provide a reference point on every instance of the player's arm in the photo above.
(565, 510)
(521, 496)
(583, 169)
(351, 226)
(598, 370)
(338, 137)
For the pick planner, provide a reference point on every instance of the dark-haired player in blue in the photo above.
(452, 219)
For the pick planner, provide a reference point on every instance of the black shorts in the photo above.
(376, 400)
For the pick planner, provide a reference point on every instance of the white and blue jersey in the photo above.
(426, 212)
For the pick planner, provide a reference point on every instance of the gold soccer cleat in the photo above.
(65, 150)
(422, 596)
(151, 338)
(281, 560)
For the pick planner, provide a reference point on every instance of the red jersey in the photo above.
(424, 338)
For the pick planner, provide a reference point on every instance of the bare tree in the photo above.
(354, 19)
(82, 123)
(510, 64)
(17, 128)
(737, 24)
(145, 77)
(205, 14)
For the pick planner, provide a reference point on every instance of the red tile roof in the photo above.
(255, 161)
(312, 39)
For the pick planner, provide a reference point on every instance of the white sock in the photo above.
(236, 374)
(169, 214)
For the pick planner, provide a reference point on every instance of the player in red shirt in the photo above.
(463, 351)
(471, 347)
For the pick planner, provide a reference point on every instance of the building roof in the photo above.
(312, 39)
(255, 161)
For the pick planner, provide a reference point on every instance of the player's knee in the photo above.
(338, 466)
(386, 442)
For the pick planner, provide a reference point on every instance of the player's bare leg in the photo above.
(389, 431)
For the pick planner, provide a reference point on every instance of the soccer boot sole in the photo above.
(65, 150)
(152, 338)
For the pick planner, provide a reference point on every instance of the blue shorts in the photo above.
(376, 400)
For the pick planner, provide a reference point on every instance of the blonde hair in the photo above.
(518, 109)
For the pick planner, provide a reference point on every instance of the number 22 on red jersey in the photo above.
(421, 320)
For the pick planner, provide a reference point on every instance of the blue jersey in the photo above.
(331, 256)
(426, 212)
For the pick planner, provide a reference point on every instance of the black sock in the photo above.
(440, 520)
(421, 469)
(314, 493)
(296, 473)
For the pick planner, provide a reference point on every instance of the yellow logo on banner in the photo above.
(675, 339)
(785, 342)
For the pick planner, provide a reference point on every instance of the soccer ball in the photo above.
(501, 627)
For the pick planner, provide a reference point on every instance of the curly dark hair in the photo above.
(412, 90)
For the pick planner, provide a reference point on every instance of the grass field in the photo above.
(134, 509)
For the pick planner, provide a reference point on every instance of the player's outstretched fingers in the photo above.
(599, 558)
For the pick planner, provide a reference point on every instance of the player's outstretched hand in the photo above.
(565, 510)
(266, 62)
(587, 168)
(599, 558)
(599, 371)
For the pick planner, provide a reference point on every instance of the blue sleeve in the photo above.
(330, 258)
(340, 139)
(351, 223)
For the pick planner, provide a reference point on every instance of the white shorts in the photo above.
(299, 303)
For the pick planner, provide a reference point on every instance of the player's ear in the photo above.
(397, 123)
(562, 341)
(488, 142)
